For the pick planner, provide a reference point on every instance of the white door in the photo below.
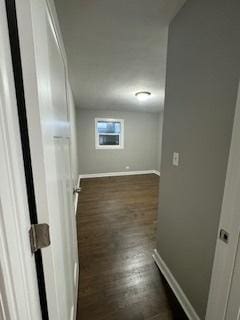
(224, 296)
(4, 305)
(19, 298)
(49, 132)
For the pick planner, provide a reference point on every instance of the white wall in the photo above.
(141, 146)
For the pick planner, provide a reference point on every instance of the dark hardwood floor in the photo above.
(116, 235)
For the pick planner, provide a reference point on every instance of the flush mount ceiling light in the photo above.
(143, 95)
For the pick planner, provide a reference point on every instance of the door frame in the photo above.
(230, 221)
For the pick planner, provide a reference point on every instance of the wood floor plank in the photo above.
(116, 224)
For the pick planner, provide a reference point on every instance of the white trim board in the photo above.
(76, 195)
(225, 254)
(180, 295)
(116, 174)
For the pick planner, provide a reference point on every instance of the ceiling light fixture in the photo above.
(142, 95)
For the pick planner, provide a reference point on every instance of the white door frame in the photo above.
(18, 280)
(229, 221)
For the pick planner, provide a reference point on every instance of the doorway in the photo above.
(116, 222)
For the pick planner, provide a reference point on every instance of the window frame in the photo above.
(121, 135)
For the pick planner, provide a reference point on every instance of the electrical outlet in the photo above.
(127, 167)
(175, 160)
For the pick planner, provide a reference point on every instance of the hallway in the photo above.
(116, 223)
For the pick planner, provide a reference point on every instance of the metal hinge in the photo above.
(77, 190)
(39, 236)
(224, 235)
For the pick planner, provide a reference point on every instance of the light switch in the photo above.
(175, 160)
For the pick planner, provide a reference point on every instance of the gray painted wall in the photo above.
(159, 140)
(201, 89)
(141, 145)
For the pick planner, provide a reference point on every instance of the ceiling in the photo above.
(116, 48)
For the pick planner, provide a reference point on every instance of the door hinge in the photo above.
(224, 235)
(39, 236)
(77, 190)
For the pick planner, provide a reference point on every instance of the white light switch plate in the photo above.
(175, 160)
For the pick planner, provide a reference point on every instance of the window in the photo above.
(109, 133)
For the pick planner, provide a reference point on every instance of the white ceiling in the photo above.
(116, 48)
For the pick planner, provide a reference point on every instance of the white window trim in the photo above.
(121, 135)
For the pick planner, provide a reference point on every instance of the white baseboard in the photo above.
(76, 266)
(180, 295)
(116, 174)
(76, 195)
(156, 172)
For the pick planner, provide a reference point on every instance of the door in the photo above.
(224, 297)
(19, 296)
(45, 85)
(4, 309)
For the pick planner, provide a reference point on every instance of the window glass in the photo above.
(108, 127)
(108, 140)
